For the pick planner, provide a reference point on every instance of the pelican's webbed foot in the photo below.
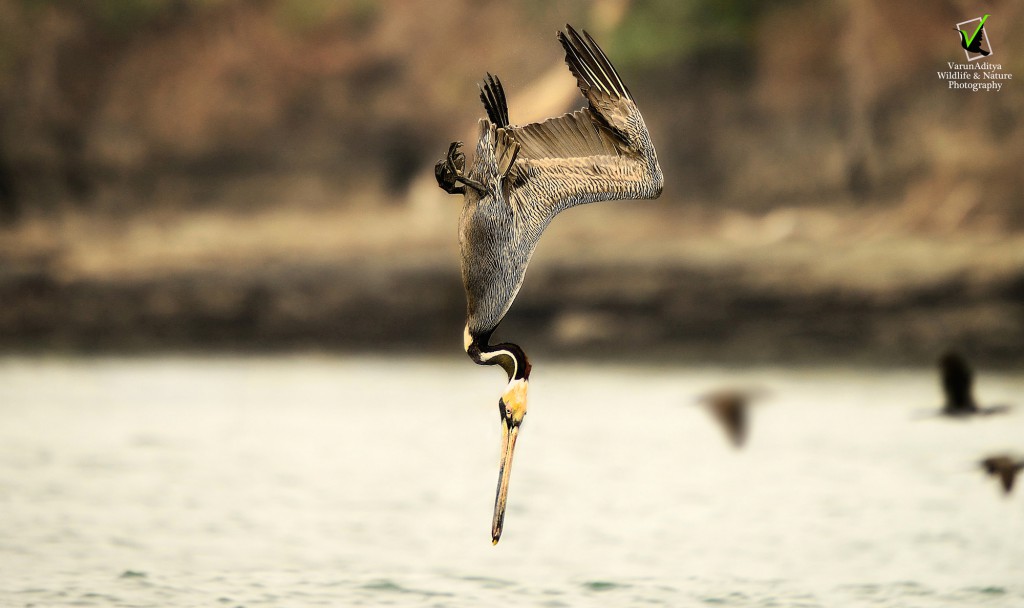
(450, 172)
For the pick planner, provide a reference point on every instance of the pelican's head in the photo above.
(512, 408)
(512, 405)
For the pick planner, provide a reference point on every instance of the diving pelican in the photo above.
(521, 178)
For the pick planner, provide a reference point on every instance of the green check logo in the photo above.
(967, 41)
(973, 43)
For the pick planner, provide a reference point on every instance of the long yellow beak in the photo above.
(508, 446)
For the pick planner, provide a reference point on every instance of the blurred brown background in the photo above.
(236, 175)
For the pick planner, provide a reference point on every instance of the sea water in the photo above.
(320, 481)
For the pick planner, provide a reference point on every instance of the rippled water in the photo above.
(345, 482)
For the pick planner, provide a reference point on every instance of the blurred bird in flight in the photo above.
(1005, 467)
(958, 387)
(730, 408)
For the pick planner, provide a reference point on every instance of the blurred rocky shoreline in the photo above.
(701, 300)
(671, 313)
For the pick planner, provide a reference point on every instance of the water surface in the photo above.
(304, 481)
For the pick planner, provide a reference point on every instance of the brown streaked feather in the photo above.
(506, 149)
(599, 153)
(607, 67)
(590, 65)
(492, 94)
(594, 131)
(574, 135)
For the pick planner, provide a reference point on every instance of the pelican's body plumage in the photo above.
(532, 173)
(520, 179)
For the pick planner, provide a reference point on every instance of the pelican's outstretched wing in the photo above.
(602, 152)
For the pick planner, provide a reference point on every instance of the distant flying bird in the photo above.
(1005, 467)
(975, 45)
(958, 386)
(730, 408)
(521, 178)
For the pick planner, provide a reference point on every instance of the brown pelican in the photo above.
(958, 386)
(1005, 467)
(521, 178)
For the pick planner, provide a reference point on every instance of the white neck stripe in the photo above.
(497, 353)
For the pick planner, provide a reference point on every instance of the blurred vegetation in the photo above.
(663, 33)
(108, 103)
(305, 16)
(117, 17)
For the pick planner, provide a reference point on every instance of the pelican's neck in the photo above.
(509, 356)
